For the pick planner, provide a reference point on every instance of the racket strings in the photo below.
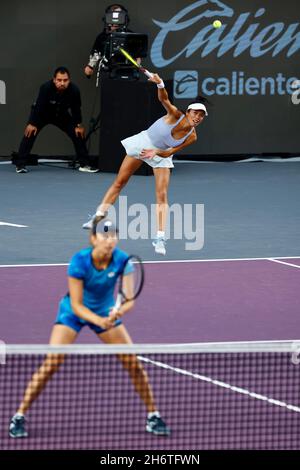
(137, 278)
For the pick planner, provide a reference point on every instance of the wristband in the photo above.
(161, 84)
(100, 213)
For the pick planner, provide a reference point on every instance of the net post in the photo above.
(2, 353)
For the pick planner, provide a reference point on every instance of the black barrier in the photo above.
(248, 67)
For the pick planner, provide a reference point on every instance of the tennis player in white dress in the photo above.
(156, 146)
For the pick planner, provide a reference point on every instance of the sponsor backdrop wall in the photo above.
(247, 68)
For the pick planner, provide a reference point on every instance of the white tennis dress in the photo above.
(157, 136)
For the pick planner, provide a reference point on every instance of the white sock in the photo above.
(19, 415)
(153, 413)
(100, 213)
(160, 234)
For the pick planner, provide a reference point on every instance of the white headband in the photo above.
(198, 107)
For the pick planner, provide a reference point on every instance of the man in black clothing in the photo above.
(58, 103)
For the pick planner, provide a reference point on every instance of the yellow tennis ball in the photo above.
(217, 24)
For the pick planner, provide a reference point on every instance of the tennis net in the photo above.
(211, 396)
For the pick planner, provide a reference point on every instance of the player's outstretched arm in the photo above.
(164, 97)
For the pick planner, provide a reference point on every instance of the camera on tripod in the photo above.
(134, 43)
(116, 17)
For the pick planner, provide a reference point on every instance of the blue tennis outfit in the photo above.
(98, 288)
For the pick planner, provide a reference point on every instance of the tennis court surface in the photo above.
(213, 396)
(182, 302)
(241, 287)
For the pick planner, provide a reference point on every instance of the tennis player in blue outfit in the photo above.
(92, 276)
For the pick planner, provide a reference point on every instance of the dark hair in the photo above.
(200, 99)
(61, 69)
(114, 7)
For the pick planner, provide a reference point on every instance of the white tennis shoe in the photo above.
(89, 224)
(88, 169)
(160, 246)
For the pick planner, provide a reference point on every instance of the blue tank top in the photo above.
(160, 134)
(98, 285)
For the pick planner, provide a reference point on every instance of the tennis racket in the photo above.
(134, 62)
(131, 281)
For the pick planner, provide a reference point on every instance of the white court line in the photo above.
(283, 262)
(13, 225)
(41, 160)
(217, 260)
(257, 158)
(225, 385)
(32, 265)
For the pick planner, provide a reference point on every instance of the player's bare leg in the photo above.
(162, 180)
(129, 166)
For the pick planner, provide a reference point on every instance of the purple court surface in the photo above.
(182, 302)
(89, 403)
